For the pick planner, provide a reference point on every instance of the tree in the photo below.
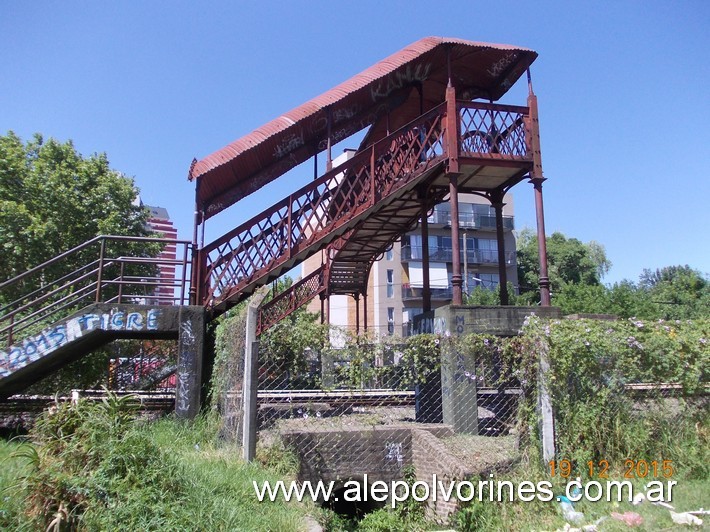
(53, 199)
(626, 300)
(623, 299)
(678, 292)
(569, 261)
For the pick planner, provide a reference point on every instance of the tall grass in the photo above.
(93, 467)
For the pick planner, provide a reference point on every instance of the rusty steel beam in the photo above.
(536, 178)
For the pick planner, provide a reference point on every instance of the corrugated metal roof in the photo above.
(382, 95)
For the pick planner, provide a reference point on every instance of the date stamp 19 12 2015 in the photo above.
(631, 469)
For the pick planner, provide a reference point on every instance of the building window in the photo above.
(390, 283)
(489, 281)
(483, 209)
(389, 254)
(409, 313)
(487, 248)
(390, 320)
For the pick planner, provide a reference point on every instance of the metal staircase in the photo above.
(305, 222)
(109, 287)
(354, 212)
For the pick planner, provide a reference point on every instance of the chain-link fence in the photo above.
(616, 387)
(428, 402)
(474, 404)
(404, 377)
(629, 391)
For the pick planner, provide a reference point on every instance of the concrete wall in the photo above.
(328, 455)
(500, 321)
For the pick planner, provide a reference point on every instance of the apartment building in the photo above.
(397, 280)
(395, 285)
(159, 223)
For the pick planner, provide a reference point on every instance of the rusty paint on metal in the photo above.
(380, 94)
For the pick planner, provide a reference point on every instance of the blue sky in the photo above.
(623, 90)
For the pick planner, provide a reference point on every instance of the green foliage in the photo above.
(674, 292)
(87, 373)
(575, 270)
(91, 466)
(570, 261)
(283, 347)
(229, 351)
(679, 292)
(483, 296)
(278, 458)
(479, 515)
(88, 458)
(389, 362)
(52, 199)
(597, 416)
(405, 516)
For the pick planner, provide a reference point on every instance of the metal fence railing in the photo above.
(106, 269)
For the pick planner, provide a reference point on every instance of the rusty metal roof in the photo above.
(386, 94)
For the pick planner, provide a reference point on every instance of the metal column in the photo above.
(456, 280)
(497, 202)
(426, 289)
(536, 178)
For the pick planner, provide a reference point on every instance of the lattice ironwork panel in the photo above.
(248, 253)
(290, 299)
(493, 131)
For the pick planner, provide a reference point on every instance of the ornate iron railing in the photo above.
(291, 299)
(307, 220)
(493, 131)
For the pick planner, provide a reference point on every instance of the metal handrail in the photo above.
(56, 298)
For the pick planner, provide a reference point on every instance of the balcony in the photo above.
(469, 220)
(410, 293)
(473, 256)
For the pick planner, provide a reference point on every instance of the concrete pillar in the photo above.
(545, 411)
(191, 340)
(459, 393)
(251, 377)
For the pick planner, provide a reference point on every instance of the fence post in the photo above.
(544, 404)
(251, 377)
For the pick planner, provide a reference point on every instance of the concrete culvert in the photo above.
(353, 506)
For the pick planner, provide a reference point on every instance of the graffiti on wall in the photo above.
(57, 336)
(400, 78)
(394, 453)
(186, 364)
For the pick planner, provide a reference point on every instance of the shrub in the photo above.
(91, 467)
(629, 389)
